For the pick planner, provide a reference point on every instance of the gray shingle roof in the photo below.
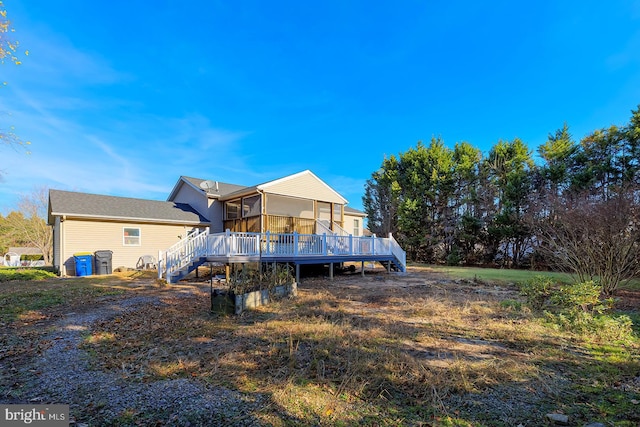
(350, 210)
(223, 187)
(99, 206)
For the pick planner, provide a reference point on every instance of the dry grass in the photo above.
(29, 308)
(418, 349)
(343, 352)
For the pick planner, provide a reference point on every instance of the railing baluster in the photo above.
(267, 245)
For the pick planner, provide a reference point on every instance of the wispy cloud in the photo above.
(627, 55)
(54, 61)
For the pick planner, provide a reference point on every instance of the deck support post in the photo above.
(227, 272)
(362, 267)
(211, 285)
(330, 271)
(389, 266)
(297, 273)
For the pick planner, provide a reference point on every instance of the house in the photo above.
(354, 222)
(285, 205)
(182, 230)
(130, 228)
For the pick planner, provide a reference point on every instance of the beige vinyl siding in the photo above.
(306, 186)
(210, 208)
(196, 198)
(215, 216)
(91, 236)
(348, 223)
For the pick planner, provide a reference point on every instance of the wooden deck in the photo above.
(293, 248)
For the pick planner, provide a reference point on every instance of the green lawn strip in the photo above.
(494, 275)
(8, 274)
(18, 297)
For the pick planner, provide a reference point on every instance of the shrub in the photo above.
(578, 308)
(252, 279)
(602, 327)
(454, 257)
(583, 296)
(537, 291)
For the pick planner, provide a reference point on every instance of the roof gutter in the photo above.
(130, 219)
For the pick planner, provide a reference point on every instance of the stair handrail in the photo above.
(337, 229)
(184, 251)
(398, 252)
(322, 226)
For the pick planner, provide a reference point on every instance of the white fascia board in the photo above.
(176, 188)
(128, 219)
(266, 185)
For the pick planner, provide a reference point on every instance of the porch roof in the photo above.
(296, 185)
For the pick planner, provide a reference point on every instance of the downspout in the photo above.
(263, 210)
(263, 214)
(63, 244)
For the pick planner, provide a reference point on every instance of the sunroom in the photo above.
(261, 212)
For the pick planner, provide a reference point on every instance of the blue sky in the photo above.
(123, 97)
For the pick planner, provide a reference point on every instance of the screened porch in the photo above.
(262, 212)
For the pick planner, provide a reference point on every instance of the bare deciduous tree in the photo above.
(8, 51)
(594, 238)
(31, 227)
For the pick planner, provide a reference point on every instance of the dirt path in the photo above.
(63, 375)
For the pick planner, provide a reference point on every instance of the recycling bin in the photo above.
(103, 262)
(84, 263)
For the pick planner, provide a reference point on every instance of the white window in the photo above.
(131, 236)
(233, 209)
(356, 227)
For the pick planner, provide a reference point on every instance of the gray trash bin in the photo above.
(103, 262)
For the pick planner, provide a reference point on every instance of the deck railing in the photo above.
(295, 244)
(272, 245)
(183, 252)
(324, 226)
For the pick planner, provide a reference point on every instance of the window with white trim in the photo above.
(356, 227)
(131, 236)
(233, 209)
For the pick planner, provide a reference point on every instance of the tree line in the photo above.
(27, 225)
(508, 208)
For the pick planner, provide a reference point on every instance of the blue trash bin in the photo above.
(84, 263)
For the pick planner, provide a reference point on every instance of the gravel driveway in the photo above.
(63, 376)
